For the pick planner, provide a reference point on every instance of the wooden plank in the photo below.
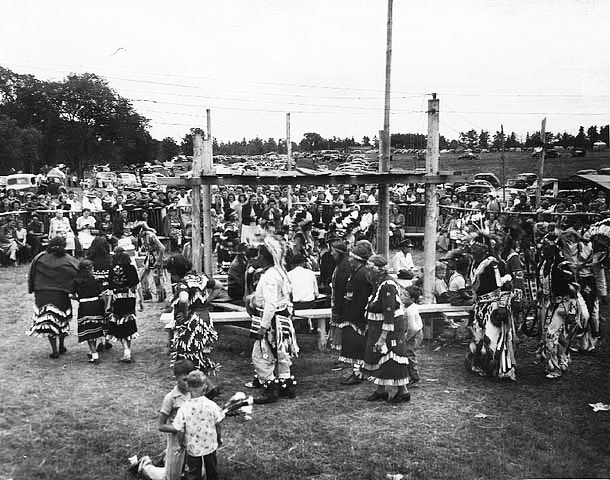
(228, 306)
(318, 313)
(387, 178)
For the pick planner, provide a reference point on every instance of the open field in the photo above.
(517, 162)
(66, 419)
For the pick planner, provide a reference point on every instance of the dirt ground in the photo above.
(67, 419)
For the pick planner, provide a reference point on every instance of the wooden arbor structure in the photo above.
(305, 177)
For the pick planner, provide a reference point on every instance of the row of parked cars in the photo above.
(488, 183)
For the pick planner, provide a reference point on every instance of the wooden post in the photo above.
(289, 165)
(196, 203)
(207, 168)
(430, 234)
(503, 167)
(541, 163)
(383, 237)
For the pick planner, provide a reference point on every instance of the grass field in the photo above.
(517, 162)
(66, 419)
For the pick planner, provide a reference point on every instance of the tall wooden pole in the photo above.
(206, 193)
(289, 165)
(430, 228)
(196, 203)
(503, 167)
(541, 163)
(383, 237)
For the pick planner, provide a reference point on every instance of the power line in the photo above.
(328, 87)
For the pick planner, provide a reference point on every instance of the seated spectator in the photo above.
(236, 281)
(106, 229)
(8, 242)
(403, 260)
(303, 281)
(24, 252)
(440, 285)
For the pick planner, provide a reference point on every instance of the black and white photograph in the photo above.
(315, 239)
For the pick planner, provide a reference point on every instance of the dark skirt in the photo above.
(391, 368)
(91, 320)
(352, 345)
(52, 313)
(122, 324)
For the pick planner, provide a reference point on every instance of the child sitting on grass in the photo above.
(198, 423)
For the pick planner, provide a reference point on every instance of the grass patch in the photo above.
(66, 419)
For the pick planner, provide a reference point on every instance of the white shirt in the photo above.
(304, 284)
(403, 261)
(457, 282)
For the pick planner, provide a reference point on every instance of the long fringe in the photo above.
(386, 358)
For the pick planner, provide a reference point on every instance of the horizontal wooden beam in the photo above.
(287, 178)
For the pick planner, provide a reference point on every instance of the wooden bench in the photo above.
(322, 314)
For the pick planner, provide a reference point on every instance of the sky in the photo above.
(491, 62)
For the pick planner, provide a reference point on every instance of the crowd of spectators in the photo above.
(241, 213)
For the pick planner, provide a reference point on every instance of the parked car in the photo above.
(23, 182)
(603, 171)
(468, 156)
(587, 171)
(128, 181)
(578, 153)
(530, 178)
(477, 189)
(105, 179)
(489, 177)
(518, 183)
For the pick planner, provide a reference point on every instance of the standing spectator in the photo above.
(122, 280)
(173, 229)
(51, 280)
(199, 420)
(35, 233)
(250, 215)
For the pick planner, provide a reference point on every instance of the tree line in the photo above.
(582, 140)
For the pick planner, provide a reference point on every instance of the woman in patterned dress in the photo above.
(123, 280)
(91, 308)
(385, 355)
(193, 333)
(51, 280)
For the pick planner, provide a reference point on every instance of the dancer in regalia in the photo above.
(192, 336)
(271, 311)
(492, 349)
(562, 312)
